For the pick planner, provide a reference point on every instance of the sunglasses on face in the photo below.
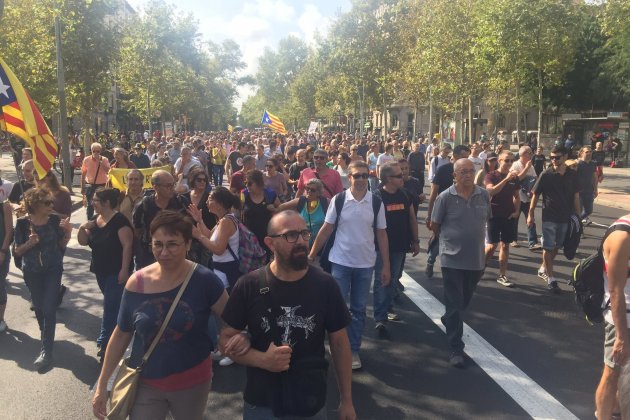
(360, 176)
(399, 176)
(508, 160)
(555, 157)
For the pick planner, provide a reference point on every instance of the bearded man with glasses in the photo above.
(558, 186)
(287, 308)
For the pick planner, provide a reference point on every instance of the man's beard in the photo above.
(297, 259)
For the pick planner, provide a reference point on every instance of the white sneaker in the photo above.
(216, 355)
(226, 361)
(3, 326)
(356, 361)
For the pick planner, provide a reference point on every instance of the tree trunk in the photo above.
(470, 121)
(518, 112)
(415, 121)
(430, 114)
(540, 103)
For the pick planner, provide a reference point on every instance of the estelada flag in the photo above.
(19, 116)
(273, 122)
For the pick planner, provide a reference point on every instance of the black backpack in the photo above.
(588, 281)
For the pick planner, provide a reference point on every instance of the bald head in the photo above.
(463, 164)
(280, 221)
(161, 177)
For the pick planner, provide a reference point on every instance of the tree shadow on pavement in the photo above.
(23, 349)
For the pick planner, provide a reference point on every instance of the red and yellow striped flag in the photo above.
(273, 122)
(19, 116)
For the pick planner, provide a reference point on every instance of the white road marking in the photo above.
(537, 402)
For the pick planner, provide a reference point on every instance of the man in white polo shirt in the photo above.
(353, 253)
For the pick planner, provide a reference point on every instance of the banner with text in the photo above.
(118, 177)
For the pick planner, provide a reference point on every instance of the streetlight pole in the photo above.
(62, 133)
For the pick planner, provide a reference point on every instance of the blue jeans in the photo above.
(459, 286)
(44, 288)
(4, 270)
(586, 201)
(532, 236)
(383, 295)
(217, 174)
(256, 412)
(112, 294)
(433, 251)
(355, 289)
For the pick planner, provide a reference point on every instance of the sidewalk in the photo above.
(614, 191)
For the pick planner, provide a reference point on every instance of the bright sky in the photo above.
(256, 24)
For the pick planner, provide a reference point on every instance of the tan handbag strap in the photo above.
(168, 316)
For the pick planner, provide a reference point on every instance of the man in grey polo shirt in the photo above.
(459, 219)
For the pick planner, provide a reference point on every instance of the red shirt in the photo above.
(330, 178)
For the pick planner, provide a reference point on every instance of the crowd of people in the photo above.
(336, 216)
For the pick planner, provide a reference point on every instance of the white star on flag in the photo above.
(4, 89)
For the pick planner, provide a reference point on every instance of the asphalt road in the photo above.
(405, 376)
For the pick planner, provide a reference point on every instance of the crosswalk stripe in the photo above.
(537, 402)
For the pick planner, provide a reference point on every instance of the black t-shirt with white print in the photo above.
(302, 311)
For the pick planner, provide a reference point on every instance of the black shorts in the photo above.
(502, 229)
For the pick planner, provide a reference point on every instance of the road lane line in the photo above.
(537, 402)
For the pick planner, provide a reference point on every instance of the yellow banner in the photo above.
(118, 177)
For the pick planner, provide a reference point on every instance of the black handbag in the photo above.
(303, 387)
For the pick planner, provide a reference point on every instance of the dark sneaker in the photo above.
(456, 359)
(429, 270)
(503, 281)
(43, 361)
(553, 287)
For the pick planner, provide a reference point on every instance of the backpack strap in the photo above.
(339, 200)
(611, 229)
(301, 203)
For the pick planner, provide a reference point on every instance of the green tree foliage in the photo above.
(615, 18)
(89, 46)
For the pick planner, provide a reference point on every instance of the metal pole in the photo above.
(63, 113)
(149, 108)
(430, 113)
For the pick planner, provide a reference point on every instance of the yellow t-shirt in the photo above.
(218, 155)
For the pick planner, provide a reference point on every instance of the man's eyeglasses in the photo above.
(555, 157)
(360, 176)
(508, 160)
(319, 157)
(293, 235)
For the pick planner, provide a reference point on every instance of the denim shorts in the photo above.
(553, 234)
